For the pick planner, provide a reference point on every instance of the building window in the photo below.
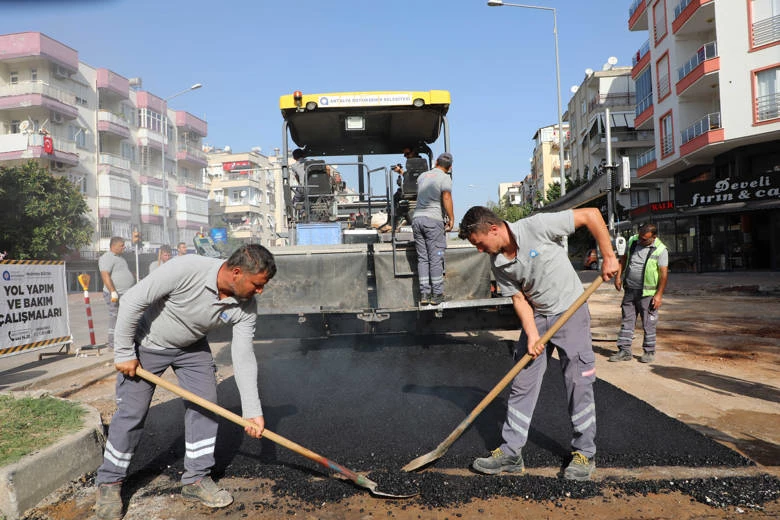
(659, 21)
(767, 89)
(15, 126)
(13, 77)
(765, 22)
(639, 198)
(662, 73)
(33, 74)
(667, 135)
(644, 91)
(150, 120)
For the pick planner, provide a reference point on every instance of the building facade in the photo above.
(708, 84)
(545, 163)
(138, 163)
(244, 197)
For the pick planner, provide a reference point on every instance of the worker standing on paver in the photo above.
(530, 265)
(643, 273)
(163, 322)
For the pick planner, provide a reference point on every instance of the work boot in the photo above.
(207, 491)
(580, 468)
(425, 298)
(436, 299)
(622, 355)
(647, 357)
(498, 462)
(109, 501)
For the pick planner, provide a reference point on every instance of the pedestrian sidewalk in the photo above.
(25, 370)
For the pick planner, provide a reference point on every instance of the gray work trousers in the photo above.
(113, 312)
(634, 303)
(196, 372)
(430, 241)
(578, 363)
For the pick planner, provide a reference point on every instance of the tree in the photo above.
(44, 215)
(509, 212)
(553, 192)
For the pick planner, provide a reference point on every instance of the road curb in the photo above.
(28, 481)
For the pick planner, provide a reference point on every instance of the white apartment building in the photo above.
(512, 192)
(138, 163)
(545, 163)
(244, 198)
(708, 84)
(610, 89)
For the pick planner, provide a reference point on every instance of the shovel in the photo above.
(442, 448)
(360, 480)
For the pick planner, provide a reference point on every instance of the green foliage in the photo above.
(508, 212)
(44, 215)
(553, 192)
(29, 424)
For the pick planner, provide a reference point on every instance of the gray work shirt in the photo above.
(176, 306)
(118, 270)
(636, 265)
(541, 270)
(430, 186)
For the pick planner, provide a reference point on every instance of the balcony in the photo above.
(766, 31)
(30, 146)
(693, 16)
(646, 163)
(767, 107)
(703, 132)
(637, 16)
(151, 138)
(28, 94)
(641, 59)
(192, 155)
(110, 163)
(622, 139)
(192, 211)
(113, 124)
(704, 63)
(186, 122)
(34, 44)
(112, 82)
(611, 100)
(644, 112)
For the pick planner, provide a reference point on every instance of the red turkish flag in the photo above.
(48, 144)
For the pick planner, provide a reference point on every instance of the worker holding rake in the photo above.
(163, 322)
(531, 266)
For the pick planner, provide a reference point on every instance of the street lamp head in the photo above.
(495, 3)
(196, 86)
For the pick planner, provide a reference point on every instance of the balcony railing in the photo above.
(644, 49)
(105, 115)
(702, 126)
(39, 87)
(679, 8)
(114, 160)
(766, 31)
(646, 158)
(611, 100)
(768, 107)
(645, 103)
(634, 6)
(663, 86)
(705, 52)
(192, 150)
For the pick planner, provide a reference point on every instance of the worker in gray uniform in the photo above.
(163, 322)
(531, 266)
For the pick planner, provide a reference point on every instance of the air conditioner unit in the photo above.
(56, 117)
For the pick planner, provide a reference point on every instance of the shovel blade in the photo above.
(423, 460)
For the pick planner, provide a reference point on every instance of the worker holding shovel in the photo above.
(163, 322)
(530, 265)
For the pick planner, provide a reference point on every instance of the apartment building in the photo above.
(545, 163)
(138, 163)
(244, 198)
(708, 84)
(513, 193)
(605, 102)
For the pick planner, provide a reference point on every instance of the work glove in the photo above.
(114, 297)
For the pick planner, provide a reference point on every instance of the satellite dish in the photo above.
(24, 126)
(227, 149)
(574, 89)
(588, 72)
(257, 149)
(612, 60)
(243, 193)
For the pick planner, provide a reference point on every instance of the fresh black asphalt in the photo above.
(373, 404)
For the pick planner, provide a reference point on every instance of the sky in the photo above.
(498, 63)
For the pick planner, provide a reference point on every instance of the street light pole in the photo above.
(196, 86)
(500, 3)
